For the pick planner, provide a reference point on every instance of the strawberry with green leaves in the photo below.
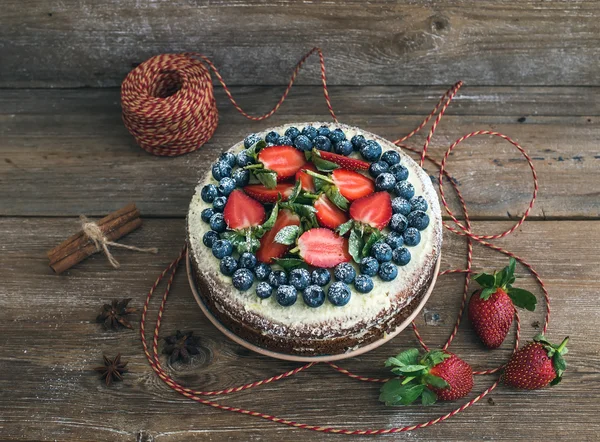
(536, 365)
(492, 308)
(324, 159)
(436, 375)
(275, 163)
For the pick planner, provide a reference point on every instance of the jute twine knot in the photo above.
(94, 233)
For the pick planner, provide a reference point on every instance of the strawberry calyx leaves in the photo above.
(503, 280)
(321, 164)
(414, 370)
(247, 240)
(361, 240)
(556, 353)
(324, 184)
(267, 177)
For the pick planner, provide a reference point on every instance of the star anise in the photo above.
(113, 315)
(181, 345)
(112, 370)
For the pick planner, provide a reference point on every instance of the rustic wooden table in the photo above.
(531, 72)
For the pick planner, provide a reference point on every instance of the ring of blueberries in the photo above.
(408, 219)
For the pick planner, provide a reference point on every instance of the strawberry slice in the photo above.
(283, 160)
(305, 179)
(374, 210)
(241, 211)
(265, 195)
(352, 185)
(321, 247)
(270, 249)
(328, 214)
(345, 162)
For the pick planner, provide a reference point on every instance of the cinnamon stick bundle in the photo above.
(78, 247)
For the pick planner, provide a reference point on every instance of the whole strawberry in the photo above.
(492, 308)
(536, 365)
(435, 375)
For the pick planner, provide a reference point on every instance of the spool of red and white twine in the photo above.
(170, 109)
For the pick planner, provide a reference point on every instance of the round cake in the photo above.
(313, 239)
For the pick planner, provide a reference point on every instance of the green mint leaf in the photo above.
(428, 397)
(411, 368)
(290, 263)
(355, 245)
(373, 238)
(484, 280)
(287, 235)
(270, 222)
(249, 245)
(295, 192)
(253, 150)
(435, 381)
(321, 164)
(344, 228)
(487, 292)
(308, 155)
(337, 198)
(522, 298)
(267, 177)
(409, 357)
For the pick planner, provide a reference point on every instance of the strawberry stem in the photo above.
(254, 166)
(562, 345)
(295, 250)
(321, 177)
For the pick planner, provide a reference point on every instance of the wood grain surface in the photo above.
(71, 43)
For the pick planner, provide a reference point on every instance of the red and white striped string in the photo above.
(462, 229)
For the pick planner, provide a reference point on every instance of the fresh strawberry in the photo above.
(305, 179)
(321, 247)
(328, 214)
(344, 162)
(241, 211)
(492, 308)
(536, 365)
(374, 210)
(435, 375)
(352, 185)
(283, 160)
(269, 249)
(266, 195)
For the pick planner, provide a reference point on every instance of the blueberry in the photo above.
(381, 251)
(243, 159)
(412, 237)
(418, 219)
(388, 271)
(251, 140)
(221, 169)
(371, 151)
(363, 284)
(300, 278)
(277, 278)
(263, 290)
(241, 177)
(394, 240)
(322, 143)
(404, 189)
(247, 260)
(242, 279)
(320, 277)
(219, 203)
(377, 168)
(358, 141)
(391, 157)
(222, 248)
(228, 158)
(418, 203)
(344, 272)
(262, 271)
(209, 193)
(286, 295)
(401, 256)
(313, 296)
(228, 265)
(399, 171)
(337, 135)
(385, 181)
(398, 223)
(302, 142)
(226, 186)
(217, 223)
(400, 205)
(272, 137)
(310, 132)
(324, 131)
(339, 294)
(343, 147)
(207, 214)
(284, 140)
(209, 238)
(292, 132)
(369, 266)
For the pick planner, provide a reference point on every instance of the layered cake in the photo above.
(313, 239)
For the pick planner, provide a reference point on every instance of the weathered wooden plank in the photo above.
(66, 152)
(49, 342)
(95, 43)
